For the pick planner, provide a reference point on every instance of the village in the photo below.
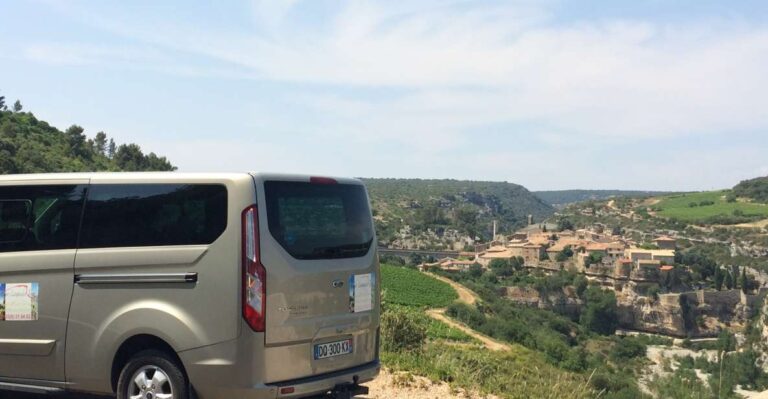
(654, 293)
(593, 251)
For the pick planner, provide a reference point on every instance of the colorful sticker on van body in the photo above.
(2, 301)
(21, 301)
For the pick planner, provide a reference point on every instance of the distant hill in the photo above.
(561, 198)
(30, 145)
(755, 189)
(467, 206)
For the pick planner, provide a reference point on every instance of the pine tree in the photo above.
(719, 277)
(743, 279)
(100, 143)
(112, 149)
(17, 106)
(728, 280)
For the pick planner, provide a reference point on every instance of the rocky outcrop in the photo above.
(702, 313)
(697, 314)
(564, 301)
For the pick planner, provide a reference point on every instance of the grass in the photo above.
(678, 206)
(410, 287)
(518, 373)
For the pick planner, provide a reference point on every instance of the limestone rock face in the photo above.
(702, 313)
(662, 316)
(563, 301)
(697, 314)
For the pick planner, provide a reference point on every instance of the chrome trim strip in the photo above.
(144, 278)
(28, 341)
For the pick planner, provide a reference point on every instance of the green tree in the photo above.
(743, 281)
(76, 141)
(17, 106)
(2, 102)
(594, 258)
(466, 219)
(564, 224)
(475, 271)
(565, 254)
(580, 283)
(728, 281)
(719, 278)
(415, 259)
(600, 312)
(100, 143)
(429, 215)
(112, 149)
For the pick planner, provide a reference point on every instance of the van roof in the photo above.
(161, 176)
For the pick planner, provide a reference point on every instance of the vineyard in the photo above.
(410, 287)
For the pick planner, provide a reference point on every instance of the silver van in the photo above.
(171, 285)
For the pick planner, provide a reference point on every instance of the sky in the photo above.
(593, 94)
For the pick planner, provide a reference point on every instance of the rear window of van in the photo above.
(319, 221)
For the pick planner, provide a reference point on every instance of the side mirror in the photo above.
(15, 220)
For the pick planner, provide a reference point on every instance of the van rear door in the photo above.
(322, 279)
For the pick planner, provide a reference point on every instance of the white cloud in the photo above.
(605, 78)
(452, 71)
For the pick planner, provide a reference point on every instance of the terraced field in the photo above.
(681, 206)
(410, 287)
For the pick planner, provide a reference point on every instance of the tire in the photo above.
(158, 374)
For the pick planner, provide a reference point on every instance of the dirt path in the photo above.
(389, 385)
(490, 343)
(470, 298)
(465, 295)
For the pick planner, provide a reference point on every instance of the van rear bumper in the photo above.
(302, 388)
(326, 382)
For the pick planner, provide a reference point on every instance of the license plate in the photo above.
(331, 349)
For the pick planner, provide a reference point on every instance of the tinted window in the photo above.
(319, 221)
(36, 218)
(139, 215)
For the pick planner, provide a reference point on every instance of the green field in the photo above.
(410, 287)
(679, 207)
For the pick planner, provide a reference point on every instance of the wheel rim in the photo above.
(150, 382)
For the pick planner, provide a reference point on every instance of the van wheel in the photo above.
(152, 374)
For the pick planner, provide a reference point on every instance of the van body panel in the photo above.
(308, 301)
(21, 341)
(35, 349)
(185, 314)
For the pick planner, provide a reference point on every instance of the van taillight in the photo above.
(254, 274)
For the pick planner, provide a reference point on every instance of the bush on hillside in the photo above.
(403, 330)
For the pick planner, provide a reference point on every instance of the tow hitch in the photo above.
(348, 391)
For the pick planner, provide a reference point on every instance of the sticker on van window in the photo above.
(361, 290)
(19, 301)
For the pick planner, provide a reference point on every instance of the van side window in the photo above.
(140, 215)
(38, 218)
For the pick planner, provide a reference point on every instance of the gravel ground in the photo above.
(386, 386)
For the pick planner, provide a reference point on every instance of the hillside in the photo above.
(30, 145)
(561, 198)
(468, 207)
(709, 207)
(755, 189)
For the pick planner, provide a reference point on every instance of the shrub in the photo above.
(627, 348)
(403, 330)
(599, 314)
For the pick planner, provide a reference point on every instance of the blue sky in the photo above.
(549, 94)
